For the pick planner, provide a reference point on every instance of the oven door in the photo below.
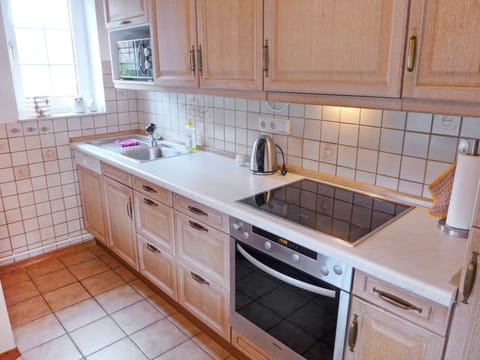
(285, 311)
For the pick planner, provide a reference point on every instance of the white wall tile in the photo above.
(391, 141)
(346, 173)
(311, 149)
(367, 160)
(446, 124)
(443, 148)
(410, 187)
(394, 119)
(365, 177)
(348, 134)
(313, 112)
(388, 164)
(369, 137)
(350, 115)
(296, 110)
(413, 169)
(330, 131)
(328, 152)
(420, 122)
(388, 182)
(347, 156)
(295, 146)
(312, 129)
(470, 127)
(331, 113)
(434, 170)
(415, 144)
(371, 117)
(297, 126)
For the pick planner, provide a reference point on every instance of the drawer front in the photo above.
(247, 347)
(116, 174)
(157, 266)
(398, 301)
(154, 221)
(204, 299)
(202, 247)
(201, 213)
(154, 191)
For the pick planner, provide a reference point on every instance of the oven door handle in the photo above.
(289, 280)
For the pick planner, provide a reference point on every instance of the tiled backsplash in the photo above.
(393, 149)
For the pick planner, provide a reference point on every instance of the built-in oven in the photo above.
(287, 299)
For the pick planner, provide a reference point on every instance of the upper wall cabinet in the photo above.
(335, 47)
(125, 13)
(443, 51)
(208, 43)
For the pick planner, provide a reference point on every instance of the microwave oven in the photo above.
(135, 59)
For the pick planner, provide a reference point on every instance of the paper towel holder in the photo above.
(450, 230)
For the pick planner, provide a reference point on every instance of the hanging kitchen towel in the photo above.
(441, 190)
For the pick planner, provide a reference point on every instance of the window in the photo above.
(53, 53)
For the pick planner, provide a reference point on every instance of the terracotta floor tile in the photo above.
(44, 267)
(76, 257)
(21, 292)
(66, 296)
(97, 250)
(209, 345)
(162, 305)
(55, 280)
(122, 350)
(102, 282)
(14, 277)
(96, 335)
(118, 298)
(188, 350)
(88, 268)
(142, 288)
(184, 324)
(60, 348)
(137, 316)
(125, 274)
(27, 311)
(37, 332)
(158, 338)
(80, 314)
(110, 261)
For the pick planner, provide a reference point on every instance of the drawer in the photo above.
(154, 191)
(247, 347)
(401, 302)
(202, 247)
(157, 266)
(154, 221)
(204, 299)
(116, 174)
(201, 213)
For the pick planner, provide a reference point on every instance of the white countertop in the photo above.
(411, 252)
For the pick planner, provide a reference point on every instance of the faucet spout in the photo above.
(151, 130)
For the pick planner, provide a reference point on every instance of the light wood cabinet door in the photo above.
(382, 335)
(91, 196)
(203, 298)
(336, 47)
(121, 226)
(230, 37)
(447, 61)
(125, 12)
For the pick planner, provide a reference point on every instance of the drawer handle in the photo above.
(153, 248)
(199, 279)
(470, 277)
(197, 211)
(125, 22)
(149, 189)
(396, 301)
(352, 333)
(149, 202)
(412, 50)
(197, 226)
(129, 209)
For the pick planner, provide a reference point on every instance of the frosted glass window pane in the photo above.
(35, 79)
(64, 81)
(31, 46)
(59, 47)
(44, 13)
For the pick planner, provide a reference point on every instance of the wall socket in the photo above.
(276, 126)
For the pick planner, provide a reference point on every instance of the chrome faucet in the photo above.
(151, 130)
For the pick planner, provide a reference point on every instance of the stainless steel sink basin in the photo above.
(150, 153)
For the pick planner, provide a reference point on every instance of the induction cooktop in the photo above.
(344, 214)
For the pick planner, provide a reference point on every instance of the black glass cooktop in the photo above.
(344, 214)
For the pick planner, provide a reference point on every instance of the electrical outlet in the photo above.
(276, 126)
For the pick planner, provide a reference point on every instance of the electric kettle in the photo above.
(264, 157)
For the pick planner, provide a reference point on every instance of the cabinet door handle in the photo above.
(153, 248)
(470, 277)
(197, 226)
(396, 301)
(192, 60)
(200, 60)
(412, 50)
(197, 211)
(149, 189)
(129, 208)
(265, 58)
(352, 333)
(199, 279)
(149, 202)
(125, 22)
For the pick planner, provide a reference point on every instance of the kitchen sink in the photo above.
(142, 151)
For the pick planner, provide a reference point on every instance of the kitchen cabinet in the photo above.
(443, 57)
(335, 47)
(91, 197)
(125, 13)
(208, 43)
(247, 347)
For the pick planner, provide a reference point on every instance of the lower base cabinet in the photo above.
(375, 334)
(247, 347)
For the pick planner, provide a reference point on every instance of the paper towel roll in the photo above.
(462, 200)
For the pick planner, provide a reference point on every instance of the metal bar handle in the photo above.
(470, 276)
(149, 202)
(396, 301)
(125, 22)
(149, 189)
(153, 248)
(197, 226)
(412, 50)
(265, 59)
(197, 211)
(129, 208)
(353, 333)
(200, 60)
(289, 280)
(192, 60)
(199, 279)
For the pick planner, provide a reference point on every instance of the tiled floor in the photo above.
(84, 305)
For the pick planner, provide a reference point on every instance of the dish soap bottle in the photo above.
(190, 141)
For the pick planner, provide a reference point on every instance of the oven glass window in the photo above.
(303, 321)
